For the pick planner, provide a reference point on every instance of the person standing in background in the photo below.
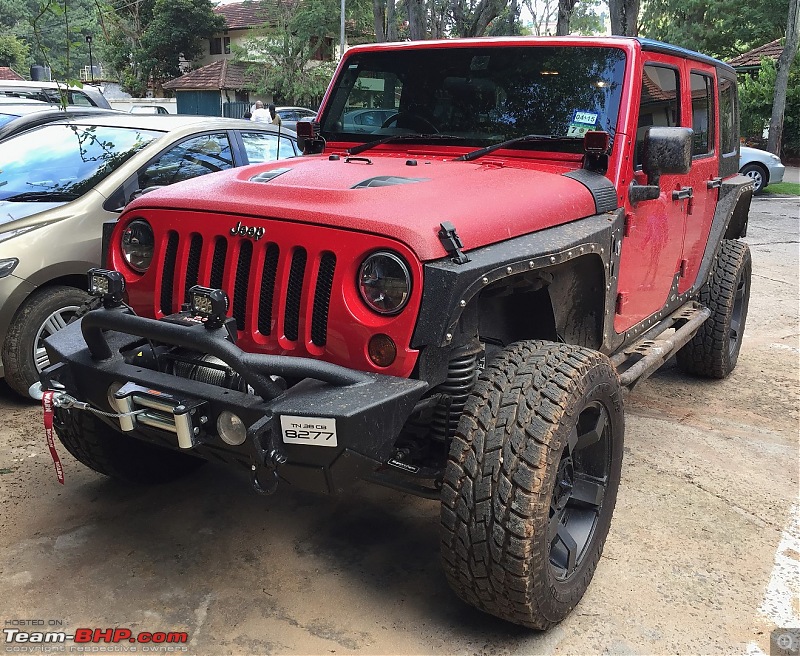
(275, 118)
(261, 115)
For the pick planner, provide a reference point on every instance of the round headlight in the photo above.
(137, 245)
(384, 282)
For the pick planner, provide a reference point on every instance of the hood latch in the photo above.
(452, 242)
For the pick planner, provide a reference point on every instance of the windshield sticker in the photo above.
(581, 123)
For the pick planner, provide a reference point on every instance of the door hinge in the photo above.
(684, 267)
(628, 225)
(452, 242)
(683, 192)
(622, 299)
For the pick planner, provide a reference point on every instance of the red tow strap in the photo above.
(47, 405)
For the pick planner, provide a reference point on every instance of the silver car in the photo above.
(60, 182)
(765, 168)
(52, 92)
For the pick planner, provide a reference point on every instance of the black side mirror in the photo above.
(308, 138)
(141, 192)
(664, 150)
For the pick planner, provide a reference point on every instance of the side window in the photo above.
(263, 147)
(78, 98)
(727, 116)
(193, 157)
(660, 102)
(702, 113)
(215, 46)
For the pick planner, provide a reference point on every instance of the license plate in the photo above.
(311, 431)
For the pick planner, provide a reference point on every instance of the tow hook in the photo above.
(268, 457)
(265, 478)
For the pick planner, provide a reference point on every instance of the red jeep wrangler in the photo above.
(488, 241)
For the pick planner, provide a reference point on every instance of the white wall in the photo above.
(170, 104)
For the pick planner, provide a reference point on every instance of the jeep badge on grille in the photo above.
(247, 231)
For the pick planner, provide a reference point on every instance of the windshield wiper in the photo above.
(41, 197)
(475, 154)
(355, 150)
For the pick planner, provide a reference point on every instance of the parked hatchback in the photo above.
(60, 182)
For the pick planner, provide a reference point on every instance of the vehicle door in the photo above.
(703, 178)
(654, 232)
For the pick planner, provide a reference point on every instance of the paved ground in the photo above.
(792, 174)
(699, 560)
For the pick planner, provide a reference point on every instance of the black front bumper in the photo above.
(368, 410)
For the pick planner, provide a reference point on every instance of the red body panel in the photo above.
(488, 201)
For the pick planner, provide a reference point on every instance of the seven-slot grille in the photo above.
(252, 273)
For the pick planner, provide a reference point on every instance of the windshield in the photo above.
(5, 118)
(479, 95)
(62, 162)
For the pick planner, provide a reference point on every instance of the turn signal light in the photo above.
(382, 350)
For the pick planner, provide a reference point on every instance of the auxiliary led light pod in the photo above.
(109, 286)
(210, 304)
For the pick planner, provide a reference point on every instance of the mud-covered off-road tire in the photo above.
(714, 350)
(110, 452)
(505, 481)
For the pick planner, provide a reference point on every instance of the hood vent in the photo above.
(266, 176)
(387, 181)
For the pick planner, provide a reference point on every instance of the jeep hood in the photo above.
(407, 199)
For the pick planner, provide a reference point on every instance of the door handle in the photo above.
(714, 183)
(682, 193)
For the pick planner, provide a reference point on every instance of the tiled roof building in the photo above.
(752, 59)
(222, 74)
(8, 73)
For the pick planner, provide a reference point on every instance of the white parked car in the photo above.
(765, 168)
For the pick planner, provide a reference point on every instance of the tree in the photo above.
(624, 17)
(585, 19)
(756, 97)
(146, 40)
(385, 20)
(14, 53)
(52, 32)
(565, 9)
(417, 19)
(474, 19)
(280, 56)
(785, 61)
(711, 27)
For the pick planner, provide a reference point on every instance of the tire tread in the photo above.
(497, 481)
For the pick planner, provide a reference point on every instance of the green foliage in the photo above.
(14, 53)
(146, 39)
(755, 101)
(52, 32)
(586, 18)
(282, 56)
(715, 27)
